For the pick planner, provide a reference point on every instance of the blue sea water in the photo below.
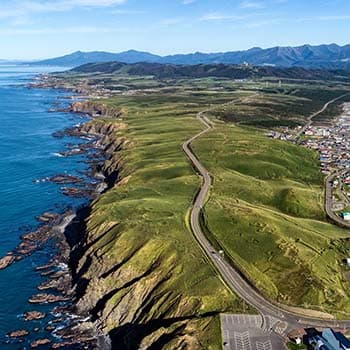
(28, 152)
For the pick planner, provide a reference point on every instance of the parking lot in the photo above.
(245, 332)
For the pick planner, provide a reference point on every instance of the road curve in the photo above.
(234, 278)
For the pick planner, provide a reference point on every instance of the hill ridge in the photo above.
(325, 56)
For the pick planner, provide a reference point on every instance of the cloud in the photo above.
(94, 3)
(26, 8)
(252, 5)
(263, 23)
(188, 2)
(324, 18)
(64, 30)
(218, 16)
(334, 18)
(128, 12)
(171, 21)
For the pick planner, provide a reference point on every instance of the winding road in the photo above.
(234, 278)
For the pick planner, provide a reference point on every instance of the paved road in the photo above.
(312, 116)
(238, 283)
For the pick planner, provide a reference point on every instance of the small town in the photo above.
(332, 141)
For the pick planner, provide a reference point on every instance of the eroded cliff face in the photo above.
(95, 109)
(132, 281)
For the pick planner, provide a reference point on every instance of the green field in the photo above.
(266, 211)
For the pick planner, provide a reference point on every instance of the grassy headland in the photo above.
(147, 281)
(143, 256)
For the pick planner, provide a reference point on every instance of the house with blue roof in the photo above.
(329, 340)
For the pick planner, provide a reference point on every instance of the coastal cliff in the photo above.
(95, 109)
(138, 271)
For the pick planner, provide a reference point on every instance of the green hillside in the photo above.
(266, 212)
(144, 277)
(144, 258)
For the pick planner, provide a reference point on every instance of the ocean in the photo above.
(29, 152)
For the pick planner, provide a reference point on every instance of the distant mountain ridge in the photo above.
(231, 71)
(323, 56)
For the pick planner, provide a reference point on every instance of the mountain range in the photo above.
(231, 71)
(323, 56)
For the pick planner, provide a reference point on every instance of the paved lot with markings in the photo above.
(245, 332)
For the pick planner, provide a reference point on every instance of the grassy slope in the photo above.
(140, 224)
(283, 106)
(266, 211)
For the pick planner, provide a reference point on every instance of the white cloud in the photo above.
(171, 21)
(66, 30)
(256, 4)
(128, 12)
(26, 8)
(258, 24)
(324, 18)
(333, 18)
(188, 2)
(247, 4)
(94, 3)
(218, 16)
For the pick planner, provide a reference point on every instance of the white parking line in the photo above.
(264, 345)
(242, 341)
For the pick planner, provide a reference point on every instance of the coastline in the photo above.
(73, 230)
(74, 224)
(75, 331)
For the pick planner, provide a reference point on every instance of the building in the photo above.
(298, 336)
(329, 340)
(346, 216)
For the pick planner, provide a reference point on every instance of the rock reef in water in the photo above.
(48, 218)
(34, 315)
(6, 261)
(66, 179)
(37, 343)
(43, 298)
(18, 334)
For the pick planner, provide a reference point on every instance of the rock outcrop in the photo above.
(95, 110)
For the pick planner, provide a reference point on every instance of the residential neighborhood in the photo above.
(332, 142)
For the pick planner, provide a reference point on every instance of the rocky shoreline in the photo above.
(60, 286)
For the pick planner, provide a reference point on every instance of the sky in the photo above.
(35, 29)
